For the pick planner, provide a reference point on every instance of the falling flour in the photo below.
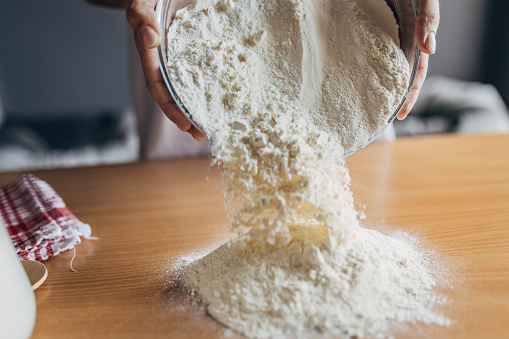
(284, 89)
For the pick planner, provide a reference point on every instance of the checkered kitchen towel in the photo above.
(37, 219)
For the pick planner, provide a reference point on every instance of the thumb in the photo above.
(426, 27)
(142, 17)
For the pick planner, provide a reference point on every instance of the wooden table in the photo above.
(453, 192)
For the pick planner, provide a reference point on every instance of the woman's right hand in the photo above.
(142, 17)
(426, 28)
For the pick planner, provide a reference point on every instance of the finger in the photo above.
(420, 76)
(157, 87)
(196, 134)
(141, 16)
(426, 27)
(110, 3)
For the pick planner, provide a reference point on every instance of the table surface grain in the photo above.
(451, 192)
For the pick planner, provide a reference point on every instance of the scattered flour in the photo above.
(355, 288)
(284, 89)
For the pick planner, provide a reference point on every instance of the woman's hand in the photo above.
(142, 17)
(426, 27)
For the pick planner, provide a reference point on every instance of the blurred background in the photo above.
(65, 82)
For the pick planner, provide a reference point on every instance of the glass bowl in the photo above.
(405, 12)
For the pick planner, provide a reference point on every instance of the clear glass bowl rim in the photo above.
(162, 16)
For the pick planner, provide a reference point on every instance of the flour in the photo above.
(284, 89)
(329, 58)
(354, 289)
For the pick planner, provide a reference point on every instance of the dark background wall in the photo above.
(459, 39)
(494, 67)
(62, 57)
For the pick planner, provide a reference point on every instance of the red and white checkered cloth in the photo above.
(37, 219)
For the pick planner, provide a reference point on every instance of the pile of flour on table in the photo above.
(284, 88)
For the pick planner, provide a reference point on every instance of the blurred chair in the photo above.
(446, 105)
(77, 140)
